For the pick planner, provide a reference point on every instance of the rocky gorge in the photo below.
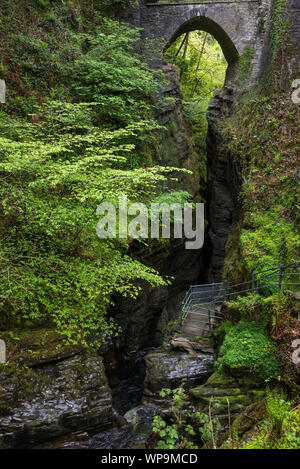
(54, 395)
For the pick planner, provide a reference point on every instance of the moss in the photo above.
(251, 416)
(220, 333)
(280, 29)
(222, 391)
(221, 379)
(248, 351)
(31, 346)
(264, 311)
(262, 138)
(245, 64)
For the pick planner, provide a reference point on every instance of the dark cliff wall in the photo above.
(174, 148)
(223, 174)
(223, 184)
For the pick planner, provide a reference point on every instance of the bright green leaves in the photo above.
(272, 240)
(246, 346)
(53, 266)
(85, 137)
(183, 428)
(111, 74)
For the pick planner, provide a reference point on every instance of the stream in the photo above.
(132, 430)
(133, 419)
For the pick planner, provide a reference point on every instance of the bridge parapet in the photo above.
(238, 25)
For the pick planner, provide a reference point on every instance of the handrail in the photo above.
(208, 296)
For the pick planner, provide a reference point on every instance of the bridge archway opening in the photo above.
(203, 23)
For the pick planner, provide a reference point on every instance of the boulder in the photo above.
(223, 392)
(51, 395)
(167, 369)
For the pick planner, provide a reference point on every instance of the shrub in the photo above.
(111, 74)
(184, 425)
(247, 346)
(277, 407)
(281, 430)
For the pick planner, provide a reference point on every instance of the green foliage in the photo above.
(43, 3)
(271, 241)
(262, 137)
(111, 74)
(3, 71)
(60, 159)
(112, 5)
(208, 428)
(203, 66)
(55, 173)
(184, 425)
(245, 63)
(44, 48)
(220, 332)
(176, 434)
(278, 407)
(281, 429)
(280, 28)
(248, 305)
(246, 346)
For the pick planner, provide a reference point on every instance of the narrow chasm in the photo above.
(195, 69)
(142, 361)
(145, 362)
(117, 118)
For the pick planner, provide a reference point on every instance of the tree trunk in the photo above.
(183, 41)
(198, 65)
(186, 45)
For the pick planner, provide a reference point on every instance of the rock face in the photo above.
(293, 11)
(222, 184)
(222, 391)
(175, 140)
(139, 318)
(60, 398)
(167, 369)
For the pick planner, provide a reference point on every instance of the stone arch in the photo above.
(206, 24)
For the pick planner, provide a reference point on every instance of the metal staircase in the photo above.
(201, 307)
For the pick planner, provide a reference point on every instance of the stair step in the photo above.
(195, 330)
(200, 320)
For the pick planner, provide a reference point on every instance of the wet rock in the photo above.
(140, 418)
(112, 438)
(167, 369)
(68, 395)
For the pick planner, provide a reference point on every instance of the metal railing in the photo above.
(203, 301)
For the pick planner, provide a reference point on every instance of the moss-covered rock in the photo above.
(226, 394)
(48, 389)
(247, 351)
(220, 333)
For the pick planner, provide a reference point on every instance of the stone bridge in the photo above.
(236, 25)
